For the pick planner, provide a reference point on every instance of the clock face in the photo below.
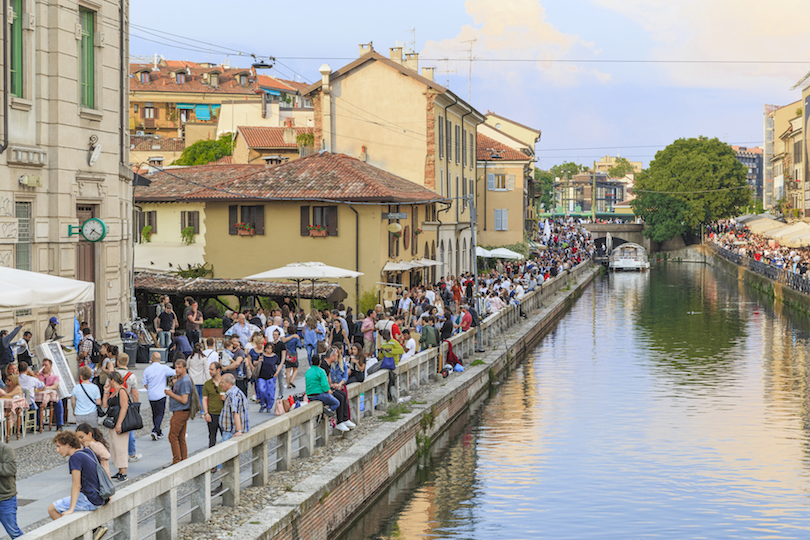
(94, 229)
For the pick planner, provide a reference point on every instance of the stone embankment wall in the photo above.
(321, 505)
(693, 254)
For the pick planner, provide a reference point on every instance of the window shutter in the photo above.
(183, 219)
(497, 220)
(458, 144)
(464, 147)
(510, 182)
(157, 113)
(332, 220)
(152, 220)
(258, 217)
(490, 181)
(505, 219)
(449, 133)
(233, 217)
(441, 137)
(195, 221)
(143, 112)
(305, 221)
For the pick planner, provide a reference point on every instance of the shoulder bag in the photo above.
(106, 488)
(99, 410)
(132, 419)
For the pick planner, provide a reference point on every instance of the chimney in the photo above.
(366, 48)
(325, 71)
(326, 108)
(427, 72)
(396, 54)
(412, 61)
(289, 134)
(363, 154)
(289, 122)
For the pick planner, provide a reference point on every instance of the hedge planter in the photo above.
(243, 232)
(318, 233)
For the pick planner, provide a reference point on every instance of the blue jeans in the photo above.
(199, 392)
(164, 339)
(327, 399)
(131, 443)
(8, 517)
(312, 352)
(58, 412)
(266, 392)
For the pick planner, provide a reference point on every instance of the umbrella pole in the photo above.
(298, 303)
(313, 292)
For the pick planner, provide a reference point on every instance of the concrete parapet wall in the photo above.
(322, 504)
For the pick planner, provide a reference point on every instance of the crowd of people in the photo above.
(260, 357)
(737, 238)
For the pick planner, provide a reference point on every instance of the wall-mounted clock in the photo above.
(94, 230)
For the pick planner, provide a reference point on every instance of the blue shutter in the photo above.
(505, 219)
(490, 181)
(203, 112)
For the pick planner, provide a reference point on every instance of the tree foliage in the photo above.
(206, 151)
(621, 169)
(691, 181)
(566, 168)
(544, 188)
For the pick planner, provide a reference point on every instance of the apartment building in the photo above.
(64, 157)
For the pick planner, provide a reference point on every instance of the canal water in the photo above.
(672, 404)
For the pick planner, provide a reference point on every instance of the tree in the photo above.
(202, 152)
(621, 169)
(566, 168)
(691, 181)
(544, 188)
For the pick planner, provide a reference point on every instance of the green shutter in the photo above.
(16, 60)
(87, 61)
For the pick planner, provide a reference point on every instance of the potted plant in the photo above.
(146, 234)
(188, 235)
(417, 232)
(212, 328)
(318, 230)
(397, 234)
(245, 229)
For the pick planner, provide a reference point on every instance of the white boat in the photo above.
(629, 256)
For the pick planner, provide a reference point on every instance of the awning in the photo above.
(25, 290)
(185, 105)
(503, 253)
(397, 266)
(429, 262)
(481, 252)
(203, 112)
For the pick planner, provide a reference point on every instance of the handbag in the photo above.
(280, 407)
(106, 488)
(322, 346)
(99, 409)
(256, 370)
(132, 420)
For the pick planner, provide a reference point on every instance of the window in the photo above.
(797, 151)
(458, 144)
(144, 77)
(464, 147)
(253, 216)
(156, 161)
(149, 112)
(449, 192)
(441, 137)
(243, 80)
(151, 220)
(449, 130)
(135, 108)
(181, 78)
(214, 79)
(501, 219)
(16, 60)
(496, 182)
(463, 194)
(87, 59)
(190, 219)
(22, 249)
(472, 151)
(325, 216)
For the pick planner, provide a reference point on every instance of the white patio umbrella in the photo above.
(309, 271)
(24, 290)
(481, 252)
(503, 253)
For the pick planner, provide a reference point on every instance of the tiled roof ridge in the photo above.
(484, 142)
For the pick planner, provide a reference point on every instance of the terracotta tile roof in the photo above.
(277, 84)
(300, 86)
(171, 284)
(752, 150)
(167, 187)
(145, 144)
(268, 137)
(163, 81)
(486, 146)
(319, 176)
(224, 160)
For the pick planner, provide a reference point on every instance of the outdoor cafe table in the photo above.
(12, 407)
(44, 398)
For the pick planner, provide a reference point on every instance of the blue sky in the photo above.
(610, 107)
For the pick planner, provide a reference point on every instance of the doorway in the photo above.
(86, 268)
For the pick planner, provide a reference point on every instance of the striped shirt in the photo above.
(235, 402)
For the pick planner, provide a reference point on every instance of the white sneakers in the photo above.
(342, 427)
(350, 424)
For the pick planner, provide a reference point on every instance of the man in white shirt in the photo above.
(410, 345)
(519, 291)
(28, 381)
(209, 353)
(154, 380)
(277, 322)
(430, 295)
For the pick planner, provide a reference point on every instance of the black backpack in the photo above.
(95, 352)
(474, 315)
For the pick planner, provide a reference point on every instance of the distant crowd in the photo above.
(737, 238)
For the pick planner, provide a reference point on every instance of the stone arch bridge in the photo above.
(621, 233)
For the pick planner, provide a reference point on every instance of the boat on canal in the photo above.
(629, 256)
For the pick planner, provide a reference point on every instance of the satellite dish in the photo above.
(94, 153)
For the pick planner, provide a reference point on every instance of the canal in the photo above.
(672, 404)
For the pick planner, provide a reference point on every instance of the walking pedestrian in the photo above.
(116, 399)
(198, 368)
(179, 404)
(212, 401)
(8, 490)
(154, 380)
(268, 366)
(233, 421)
(131, 386)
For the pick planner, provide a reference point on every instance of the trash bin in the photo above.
(131, 348)
(164, 353)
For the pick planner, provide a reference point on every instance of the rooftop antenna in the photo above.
(469, 89)
(447, 70)
(412, 43)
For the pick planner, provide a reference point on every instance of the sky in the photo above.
(597, 77)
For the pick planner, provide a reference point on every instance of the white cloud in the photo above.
(516, 29)
(724, 30)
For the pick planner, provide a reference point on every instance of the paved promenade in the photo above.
(36, 492)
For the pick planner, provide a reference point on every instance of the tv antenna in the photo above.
(469, 89)
(447, 70)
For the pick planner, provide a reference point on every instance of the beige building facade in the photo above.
(67, 158)
(606, 162)
(382, 111)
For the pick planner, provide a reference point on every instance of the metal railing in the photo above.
(156, 504)
(797, 282)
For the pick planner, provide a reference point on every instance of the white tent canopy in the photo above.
(25, 290)
(306, 272)
(481, 252)
(503, 253)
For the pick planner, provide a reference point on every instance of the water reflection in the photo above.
(634, 418)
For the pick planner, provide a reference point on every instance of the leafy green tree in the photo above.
(202, 152)
(621, 169)
(691, 181)
(544, 188)
(567, 167)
